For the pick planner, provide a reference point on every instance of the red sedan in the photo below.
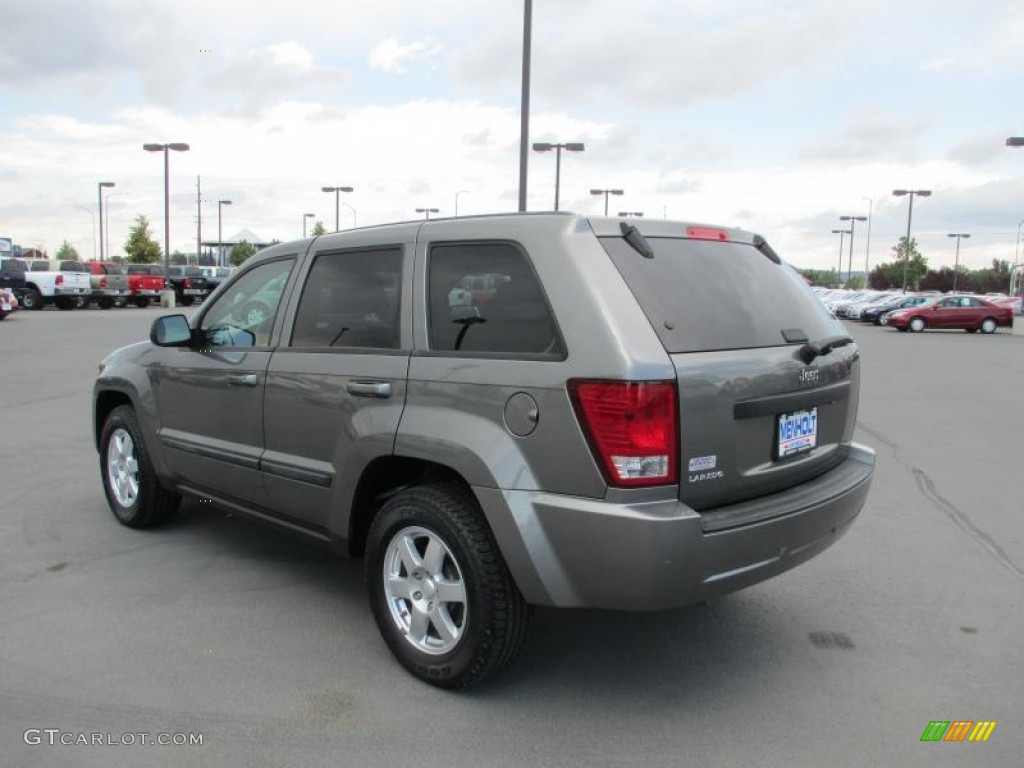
(967, 312)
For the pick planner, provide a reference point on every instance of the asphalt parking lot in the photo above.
(267, 648)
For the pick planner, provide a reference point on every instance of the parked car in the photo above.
(216, 275)
(145, 283)
(969, 313)
(8, 302)
(109, 283)
(12, 275)
(189, 285)
(877, 313)
(61, 283)
(638, 416)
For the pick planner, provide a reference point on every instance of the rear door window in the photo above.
(486, 299)
(705, 295)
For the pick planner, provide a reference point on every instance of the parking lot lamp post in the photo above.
(460, 192)
(177, 147)
(840, 232)
(1015, 141)
(910, 215)
(304, 217)
(853, 225)
(867, 246)
(427, 211)
(99, 194)
(105, 224)
(354, 225)
(337, 203)
(631, 214)
(1016, 251)
(606, 192)
(220, 238)
(956, 264)
(546, 146)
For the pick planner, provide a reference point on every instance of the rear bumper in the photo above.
(574, 552)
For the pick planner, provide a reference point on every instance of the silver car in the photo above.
(504, 411)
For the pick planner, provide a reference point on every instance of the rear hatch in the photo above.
(767, 378)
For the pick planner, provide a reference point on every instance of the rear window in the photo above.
(705, 295)
(73, 266)
(113, 269)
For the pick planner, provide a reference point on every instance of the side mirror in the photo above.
(171, 331)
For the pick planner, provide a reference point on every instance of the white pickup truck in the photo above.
(61, 283)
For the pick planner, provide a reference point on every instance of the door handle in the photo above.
(243, 380)
(369, 388)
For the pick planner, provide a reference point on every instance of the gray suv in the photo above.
(504, 411)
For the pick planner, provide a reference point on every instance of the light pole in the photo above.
(853, 226)
(177, 147)
(89, 211)
(337, 202)
(606, 192)
(631, 214)
(220, 237)
(956, 265)
(841, 232)
(910, 214)
(105, 224)
(867, 247)
(545, 146)
(1016, 252)
(427, 211)
(524, 104)
(304, 217)
(460, 192)
(354, 225)
(99, 194)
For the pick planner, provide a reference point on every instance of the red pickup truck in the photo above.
(145, 281)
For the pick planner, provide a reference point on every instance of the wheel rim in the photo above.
(425, 593)
(122, 468)
(988, 326)
(917, 324)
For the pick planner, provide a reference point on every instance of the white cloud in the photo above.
(292, 55)
(391, 56)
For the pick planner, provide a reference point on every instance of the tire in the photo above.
(435, 535)
(64, 302)
(32, 299)
(988, 325)
(80, 302)
(133, 490)
(141, 302)
(917, 324)
(971, 330)
(187, 301)
(105, 303)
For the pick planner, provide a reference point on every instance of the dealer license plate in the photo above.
(797, 432)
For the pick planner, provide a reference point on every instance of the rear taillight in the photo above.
(187, 283)
(59, 280)
(103, 282)
(632, 428)
(707, 233)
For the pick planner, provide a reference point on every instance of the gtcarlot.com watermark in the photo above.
(55, 736)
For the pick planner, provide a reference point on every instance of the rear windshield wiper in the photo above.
(636, 240)
(812, 349)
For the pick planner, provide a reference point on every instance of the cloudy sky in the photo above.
(775, 116)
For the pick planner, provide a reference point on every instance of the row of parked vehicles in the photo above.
(36, 283)
(917, 312)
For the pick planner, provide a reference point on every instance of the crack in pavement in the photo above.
(962, 521)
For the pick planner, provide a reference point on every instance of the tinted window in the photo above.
(703, 295)
(73, 266)
(13, 265)
(484, 297)
(351, 299)
(243, 315)
(113, 269)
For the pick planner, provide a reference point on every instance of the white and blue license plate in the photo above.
(797, 432)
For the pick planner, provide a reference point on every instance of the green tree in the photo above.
(240, 252)
(67, 252)
(890, 275)
(994, 279)
(856, 283)
(319, 229)
(823, 277)
(178, 258)
(140, 245)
